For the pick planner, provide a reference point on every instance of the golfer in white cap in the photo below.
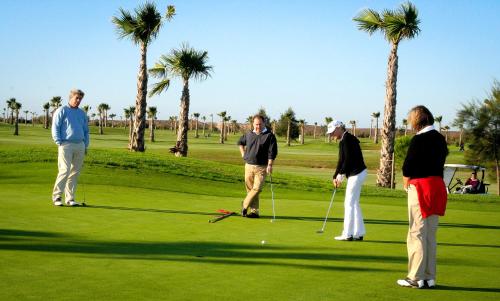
(351, 166)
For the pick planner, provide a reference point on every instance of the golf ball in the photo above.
(263, 242)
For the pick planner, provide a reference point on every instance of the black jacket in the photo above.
(259, 148)
(426, 155)
(351, 160)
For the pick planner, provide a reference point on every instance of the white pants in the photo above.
(69, 162)
(353, 218)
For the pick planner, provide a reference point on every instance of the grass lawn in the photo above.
(145, 234)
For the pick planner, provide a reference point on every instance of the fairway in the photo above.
(145, 233)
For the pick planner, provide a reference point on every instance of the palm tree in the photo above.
(376, 115)
(327, 121)
(226, 126)
(396, 25)
(446, 129)
(185, 63)
(196, 116)
(55, 103)
(211, 124)
(26, 119)
(405, 124)
(302, 124)
(33, 117)
(11, 106)
(234, 125)
(353, 125)
(86, 109)
(101, 108)
(314, 132)
(126, 112)
(371, 128)
(131, 109)
(46, 107)
(222, 118)
(438, 119)
(204, 124)
(152, 111)
(112, 116)
(16, 106)
(142, 28)
(105, 108)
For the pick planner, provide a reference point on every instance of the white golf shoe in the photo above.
(411, 283)
(58, 202)
(72, 203)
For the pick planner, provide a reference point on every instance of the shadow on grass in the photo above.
(439, 244)
(199, 252)
(467, 289)
(168, 211)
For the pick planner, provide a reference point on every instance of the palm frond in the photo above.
(125, 24)
(401, 24)
(159, 87)
(170, 12)
(159, 70)
(368, 20)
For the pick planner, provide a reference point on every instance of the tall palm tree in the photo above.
(46, 107)
(126, 112)
(112, 117)
(327, 121)
(204, 124)
(55, 103)
(101, 108)
(26, 117)
(439, 119)
(186, 63)
(152, 111)
(371, 128)
(222, 119)
(86, 109)
(211, 124)
(396, 25)
(105, 108)
(376, 115)
(226, 126)
(16, 106)
(405, 124)
(446, 129)
(11, 106)
(353, 125)
(302, 125)
(142, 28)
(314, 132)
(196, 116)
(33, 117)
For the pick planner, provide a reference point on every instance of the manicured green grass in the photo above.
(145, 234)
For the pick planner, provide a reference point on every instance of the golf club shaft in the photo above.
(328, 212)
(218, 218)
(272, 196)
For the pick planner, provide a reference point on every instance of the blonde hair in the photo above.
(420, 117)
(76, 92)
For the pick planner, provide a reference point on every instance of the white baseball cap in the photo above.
(333, 125)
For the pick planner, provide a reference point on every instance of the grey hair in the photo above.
(76, 92)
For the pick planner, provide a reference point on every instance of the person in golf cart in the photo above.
(259, 150)
(471, 185)
(350, 165)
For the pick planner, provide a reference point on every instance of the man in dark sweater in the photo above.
(259, 150)
(351, 166)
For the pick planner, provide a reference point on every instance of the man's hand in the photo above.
(406, 183)
(336, 183)
(269, 169)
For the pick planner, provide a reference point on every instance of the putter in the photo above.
(83, 190)
(327, 213)
(225, 213)
(272, 198)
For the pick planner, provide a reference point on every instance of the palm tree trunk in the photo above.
(389, 128)
(137, 143)
(196, 129)
(371, 127)
(152, 129)
(314, 132)
(376, 132)
(46, 121)
(100, 124)
(16, 125)
(204, 124)
(182, 136)
(288, 133)
(302, 135)
(221, 140)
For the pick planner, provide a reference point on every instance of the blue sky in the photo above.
(308, 55)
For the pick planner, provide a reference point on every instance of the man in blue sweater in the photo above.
(70, 132)
(259, 149)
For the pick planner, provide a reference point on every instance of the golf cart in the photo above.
(458, 187)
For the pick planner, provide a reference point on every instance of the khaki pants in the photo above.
(69, 162)
(255, 177)
(421, 240)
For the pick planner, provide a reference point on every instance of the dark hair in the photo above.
(420, 117)
(259, 116)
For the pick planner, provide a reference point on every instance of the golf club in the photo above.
(272, 198)
(328, 212)
(83, 190)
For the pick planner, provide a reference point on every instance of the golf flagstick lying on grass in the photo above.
(272, 198)
(327, 213)
(225, 213)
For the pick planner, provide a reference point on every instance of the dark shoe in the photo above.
(253, 215)
(410, 283)
(359, 238)
(244, 212)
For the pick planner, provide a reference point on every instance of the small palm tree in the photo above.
(152, 111)
(46, 107)
(26, 117)
(142, 28)
(314, 132)
(101, 108)
(86, 109)
(55, 103)
(185, 63)
(439, 119)
(33, 118)
(16, 106)
(226, 126)
(11, 106)
(446, 129)
(376, 115)
(405, 124)
(302, 125)
(222, 119)
(196, 116)
(353, 125)
(396, 25)
(112, 117)
(327, 121)
(204, 124)
(105, 108)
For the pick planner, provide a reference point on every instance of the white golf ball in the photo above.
(263, 242)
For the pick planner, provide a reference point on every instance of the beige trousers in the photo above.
(69, 162)
(255, 177)
(421, 240)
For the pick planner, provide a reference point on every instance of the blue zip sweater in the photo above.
(70, 125)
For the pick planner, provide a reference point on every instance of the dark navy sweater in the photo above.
(259, 148)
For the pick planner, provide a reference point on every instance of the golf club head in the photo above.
(319, 231)
(272, 220)
(84, 205)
